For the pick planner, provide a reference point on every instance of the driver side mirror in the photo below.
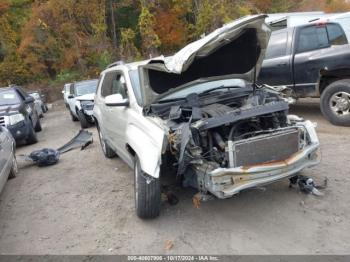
(116, 100)
(70, 96)
(29, 100)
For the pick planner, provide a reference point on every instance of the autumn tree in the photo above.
(150, 39)
(128, 50)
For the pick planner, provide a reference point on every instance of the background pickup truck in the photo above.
(314, 61)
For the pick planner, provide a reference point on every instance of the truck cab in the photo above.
(308, 59)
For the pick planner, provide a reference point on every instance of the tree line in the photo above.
(57, 41)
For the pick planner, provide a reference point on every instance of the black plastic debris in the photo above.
(82, 140)
(45, 157)
(49, 156)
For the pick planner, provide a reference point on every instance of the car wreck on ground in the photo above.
(200, 114)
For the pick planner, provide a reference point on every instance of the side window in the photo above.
(311, 38)
(114, 83)
(336, 35)
(277, 45)
(71, 89)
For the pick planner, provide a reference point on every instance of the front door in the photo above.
(115, 118)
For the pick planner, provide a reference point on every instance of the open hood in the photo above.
(235, 50)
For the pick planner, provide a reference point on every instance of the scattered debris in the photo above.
(172, 198)
(168, 245)
(196, 201)
(44, 157)
(200, 197)
(82, 140)
(307, 185)
(48, 156)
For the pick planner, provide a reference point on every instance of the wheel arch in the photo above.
(148, 148)
(328, 76)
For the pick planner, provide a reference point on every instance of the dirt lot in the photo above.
(85, 205)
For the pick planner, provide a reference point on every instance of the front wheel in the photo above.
(14, 168)
(38, 127)
(84, 123)
(74, 118)
(32, 138)
(335, 103)
(147, 193)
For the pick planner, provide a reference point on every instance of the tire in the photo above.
(335, 103)
(83, 120)
(44, 108)
(107, 151)
(74, 118)
(32, 138)
(147, 194)
(14, 169)
(38, 127)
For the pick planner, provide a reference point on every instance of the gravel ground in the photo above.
(85, 205)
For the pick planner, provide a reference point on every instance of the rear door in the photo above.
(276, 68)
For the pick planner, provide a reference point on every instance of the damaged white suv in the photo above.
(199, 116)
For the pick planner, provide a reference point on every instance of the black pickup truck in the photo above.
(314, 61)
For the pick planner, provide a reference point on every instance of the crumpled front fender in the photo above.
(148, 143)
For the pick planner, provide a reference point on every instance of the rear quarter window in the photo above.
(336, 35)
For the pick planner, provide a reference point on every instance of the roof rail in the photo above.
(121, 62)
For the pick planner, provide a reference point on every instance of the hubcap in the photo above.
(340, 103)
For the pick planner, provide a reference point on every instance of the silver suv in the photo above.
(198, 117)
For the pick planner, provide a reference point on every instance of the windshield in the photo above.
(202, 87)
(9, 97)
(86, 87)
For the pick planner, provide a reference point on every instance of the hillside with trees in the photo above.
(52, 41)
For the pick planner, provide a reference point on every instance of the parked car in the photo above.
(67, 90)
(37, 106)
(199, 117)
(314, 61)
(39, 99)
(18, 114)
(81, 102)
(8, 163)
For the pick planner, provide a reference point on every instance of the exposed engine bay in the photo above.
(227, 129)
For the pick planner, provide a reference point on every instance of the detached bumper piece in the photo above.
(81, 140)
(48, 156)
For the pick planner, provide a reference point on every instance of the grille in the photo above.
(266, 148)
(2, 121)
